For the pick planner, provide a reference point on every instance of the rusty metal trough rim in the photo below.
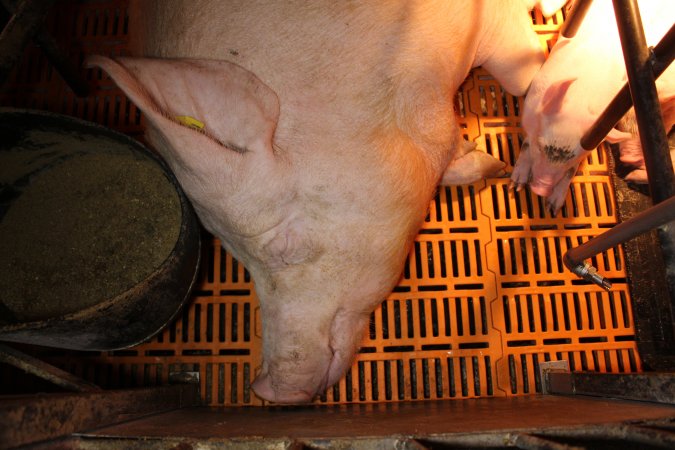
(188, 222)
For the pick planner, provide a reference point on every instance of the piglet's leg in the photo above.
(522, 171)
(556, 199)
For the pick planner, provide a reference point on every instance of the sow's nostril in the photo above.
(263, 388)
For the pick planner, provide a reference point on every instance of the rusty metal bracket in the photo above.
(547, 367)
(657, 387)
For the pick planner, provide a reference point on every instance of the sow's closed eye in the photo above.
(290, 247)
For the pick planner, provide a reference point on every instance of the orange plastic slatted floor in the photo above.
(484, 297)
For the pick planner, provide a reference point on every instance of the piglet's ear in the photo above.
(220, 100)
(549, 7)
(554, 96)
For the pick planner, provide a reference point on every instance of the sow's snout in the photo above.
(300, 364)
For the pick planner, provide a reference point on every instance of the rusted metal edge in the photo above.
(635, 433)
(567, 438)
(44, 370)
(658, 387)
(31, 419)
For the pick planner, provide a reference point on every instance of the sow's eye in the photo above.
(290, 247)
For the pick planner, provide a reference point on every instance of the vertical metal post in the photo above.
(645, 100)
(664, 52)
(652, 132)
(575, 18)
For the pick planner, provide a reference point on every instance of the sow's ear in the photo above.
(222, 100)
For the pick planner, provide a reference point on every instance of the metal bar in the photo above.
(655, 387)
(20, 29)
(655, 216)
(575, 18)
(643, 434)
(531, 442)
(639, 67)
(63, 65)
(653, 136)
(645, 100)
(31, 419)
(663, 54)
(650, 436)
(56, 57)
(45, 371)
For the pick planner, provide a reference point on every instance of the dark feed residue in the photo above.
(83, 231)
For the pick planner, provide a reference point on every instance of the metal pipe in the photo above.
(639, 67)
(34, 366)
(663, 54)
(575, 18)
(645, 100)
(655, 216)
(56, 57)
(653, 136)
(20, 29)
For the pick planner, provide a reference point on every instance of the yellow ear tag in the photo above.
(190, 122)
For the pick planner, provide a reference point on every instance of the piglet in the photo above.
(577, 82)
(310, 137)
(630, 150)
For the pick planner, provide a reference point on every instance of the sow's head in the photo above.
(300, 221)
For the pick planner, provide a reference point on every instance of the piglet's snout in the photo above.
(544, 179)
(541, 189)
